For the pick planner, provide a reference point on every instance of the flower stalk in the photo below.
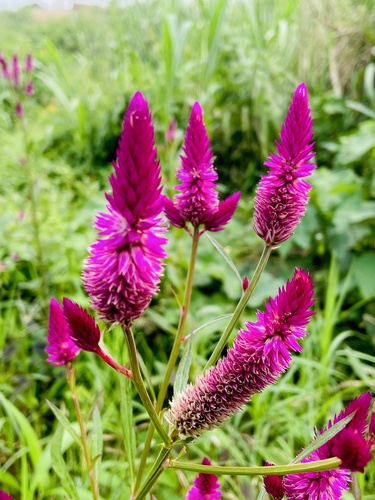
(140, 386)
(240, 307)
(71, 377)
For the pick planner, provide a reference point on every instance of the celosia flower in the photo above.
(274, 485)
(83, 330)
(350, 445)
(259, 355)
(29, 89)
(124, 269)
(60, 348)
(206, 486)
(29, 66)
(13, 73)
(5, 496)
(170, 134)
(282, 194)
(198, 200)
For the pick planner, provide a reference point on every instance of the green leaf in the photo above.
(208, 323)
(59, 466)
(65, 423)
(323, 438)
(225, 256)
(7, 479)
(97, 440)
(364, 272)
(24, 429)
(182, 374)
(126, 410)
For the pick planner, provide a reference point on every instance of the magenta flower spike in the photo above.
(5, 496)
(124, 269)
(29, 65)
(350, 445)
(282, 194)
(16, 72)
(19, 109)
(259, 356)
(60, 348)
(29, 89)
(4, 67)
(83, 330)
(198, 200)
(206, 486)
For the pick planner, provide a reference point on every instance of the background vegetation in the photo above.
(242, 60)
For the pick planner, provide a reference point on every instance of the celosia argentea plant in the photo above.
(123, 272)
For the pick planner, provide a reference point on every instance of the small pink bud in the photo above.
(274, 485)
(16, 72)
(19, 110)
(29, 89)
(29, 66)
(170, 134)
(4, 66)
(245, 283)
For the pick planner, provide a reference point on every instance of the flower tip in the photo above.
(205, 461)
(197, 111)
(301, 90)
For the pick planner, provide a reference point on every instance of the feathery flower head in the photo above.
(282, 194)
(83, 330)
(124, 269)
(350, 445)
(274, 485)
(198, 200)
(259, 356)
(19, 109)
(206, 486)
(16, 72)
(61, 349)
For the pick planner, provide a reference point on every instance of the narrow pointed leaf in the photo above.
(64, 422)
(323, 438)
(182, 375)
(225, 256)
(59, 466)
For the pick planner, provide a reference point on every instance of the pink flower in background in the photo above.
(170, 134)
(206, 486)
(282, 194)
(124, 269)
(29, 65)
(19, 109)
(198, 200)
(4, 66)
(13, 73)
(29, 89)
(259, 356)
(350, 445)
(61, 349)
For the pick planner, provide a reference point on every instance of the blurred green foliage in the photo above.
(242, 60)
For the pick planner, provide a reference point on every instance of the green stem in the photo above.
(144, 456)
(277, 470)
(174, 353)
(71, 376)
(140, 386)
(181, 325)
(240, 307)
(154, 474)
